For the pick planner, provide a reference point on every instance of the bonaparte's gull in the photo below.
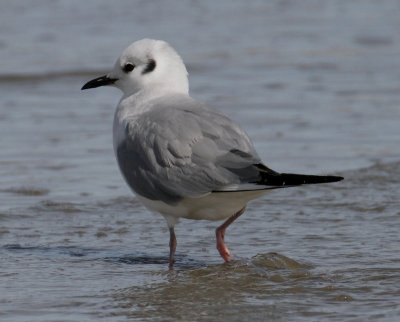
(180, 157)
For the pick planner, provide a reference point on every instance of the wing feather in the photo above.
(180, 148)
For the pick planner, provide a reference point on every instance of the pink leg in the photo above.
(220, 234)
(172, 247)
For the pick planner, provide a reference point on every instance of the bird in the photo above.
(182, 158)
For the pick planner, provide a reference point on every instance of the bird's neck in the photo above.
(132, 106)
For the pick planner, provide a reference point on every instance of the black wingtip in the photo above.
(272, 178)
(334, 178)
(291, 178)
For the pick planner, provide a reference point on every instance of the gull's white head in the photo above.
(146, 64)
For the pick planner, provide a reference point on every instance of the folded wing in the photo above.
(180, 148)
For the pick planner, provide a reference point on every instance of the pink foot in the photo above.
(172, 247)
(223, 250)
(220, 233)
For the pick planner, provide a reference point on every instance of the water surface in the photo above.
(315, 84)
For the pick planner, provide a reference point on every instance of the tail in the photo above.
(269, 177)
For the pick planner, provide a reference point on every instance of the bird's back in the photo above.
(177, 147)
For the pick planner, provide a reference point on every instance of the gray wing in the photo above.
(180, 148)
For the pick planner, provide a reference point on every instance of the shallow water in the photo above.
(316, 85)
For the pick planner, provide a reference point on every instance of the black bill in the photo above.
(99, 81)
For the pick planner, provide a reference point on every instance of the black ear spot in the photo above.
(151, 65)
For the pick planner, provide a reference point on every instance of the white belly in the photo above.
(214, 206)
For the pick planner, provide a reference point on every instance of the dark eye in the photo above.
(128, 67)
